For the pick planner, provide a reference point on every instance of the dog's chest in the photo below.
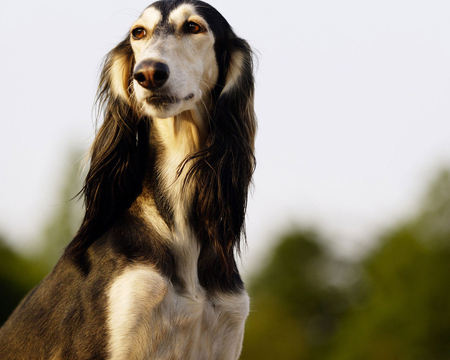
(149, 319)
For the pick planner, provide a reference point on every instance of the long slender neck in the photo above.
(172, 198)
(178, 137)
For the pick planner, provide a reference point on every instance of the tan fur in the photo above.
(237, 60)
(121, 67)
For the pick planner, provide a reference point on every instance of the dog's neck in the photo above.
(168, 200)
(178, 138)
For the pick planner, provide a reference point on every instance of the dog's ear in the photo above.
(225, 167)
(116, 75)
(116, 169)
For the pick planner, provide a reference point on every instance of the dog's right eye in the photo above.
(138, 33)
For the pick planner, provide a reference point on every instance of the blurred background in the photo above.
(348, 227)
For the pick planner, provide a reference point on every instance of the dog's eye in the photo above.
(138, 33)
(193, 28)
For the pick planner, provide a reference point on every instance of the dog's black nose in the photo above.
(151, 74)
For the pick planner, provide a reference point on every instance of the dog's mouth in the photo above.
(162, 100)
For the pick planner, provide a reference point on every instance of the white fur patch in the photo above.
(181, 14)
(149, 319)
(133, 297)
(149, 19)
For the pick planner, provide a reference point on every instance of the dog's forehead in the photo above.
(151, 17)
(181, 13)
(157, 17)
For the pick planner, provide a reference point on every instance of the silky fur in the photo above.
(151, 273)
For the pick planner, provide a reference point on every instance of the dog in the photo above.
(151, 273)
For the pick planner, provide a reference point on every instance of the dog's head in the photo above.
(175, 61)
(173, 57)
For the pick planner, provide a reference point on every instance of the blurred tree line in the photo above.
(307, 303)
(392, 304)
(18, 273)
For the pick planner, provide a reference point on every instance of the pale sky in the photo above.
(353, 102)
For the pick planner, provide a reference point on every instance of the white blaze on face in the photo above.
(190, 58)
(150, 18)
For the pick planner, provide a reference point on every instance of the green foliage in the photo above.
(432, 224)
(405, 313)
(17, 276)
(295, 304)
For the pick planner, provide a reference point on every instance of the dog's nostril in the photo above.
(151, 74)
(139, 77)
(160, 73)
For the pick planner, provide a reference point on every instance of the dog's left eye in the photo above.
(193, 28)
(138, 33)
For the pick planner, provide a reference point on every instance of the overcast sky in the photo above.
(353, 101)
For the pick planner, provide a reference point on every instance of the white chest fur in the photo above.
(148, 319)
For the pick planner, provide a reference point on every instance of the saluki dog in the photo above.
(151, 273)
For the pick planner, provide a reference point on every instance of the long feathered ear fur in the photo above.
(224, 169)
(118, 153)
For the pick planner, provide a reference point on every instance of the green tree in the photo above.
(405, 311)
(295, 302)
(18, 275)
(393, 304)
